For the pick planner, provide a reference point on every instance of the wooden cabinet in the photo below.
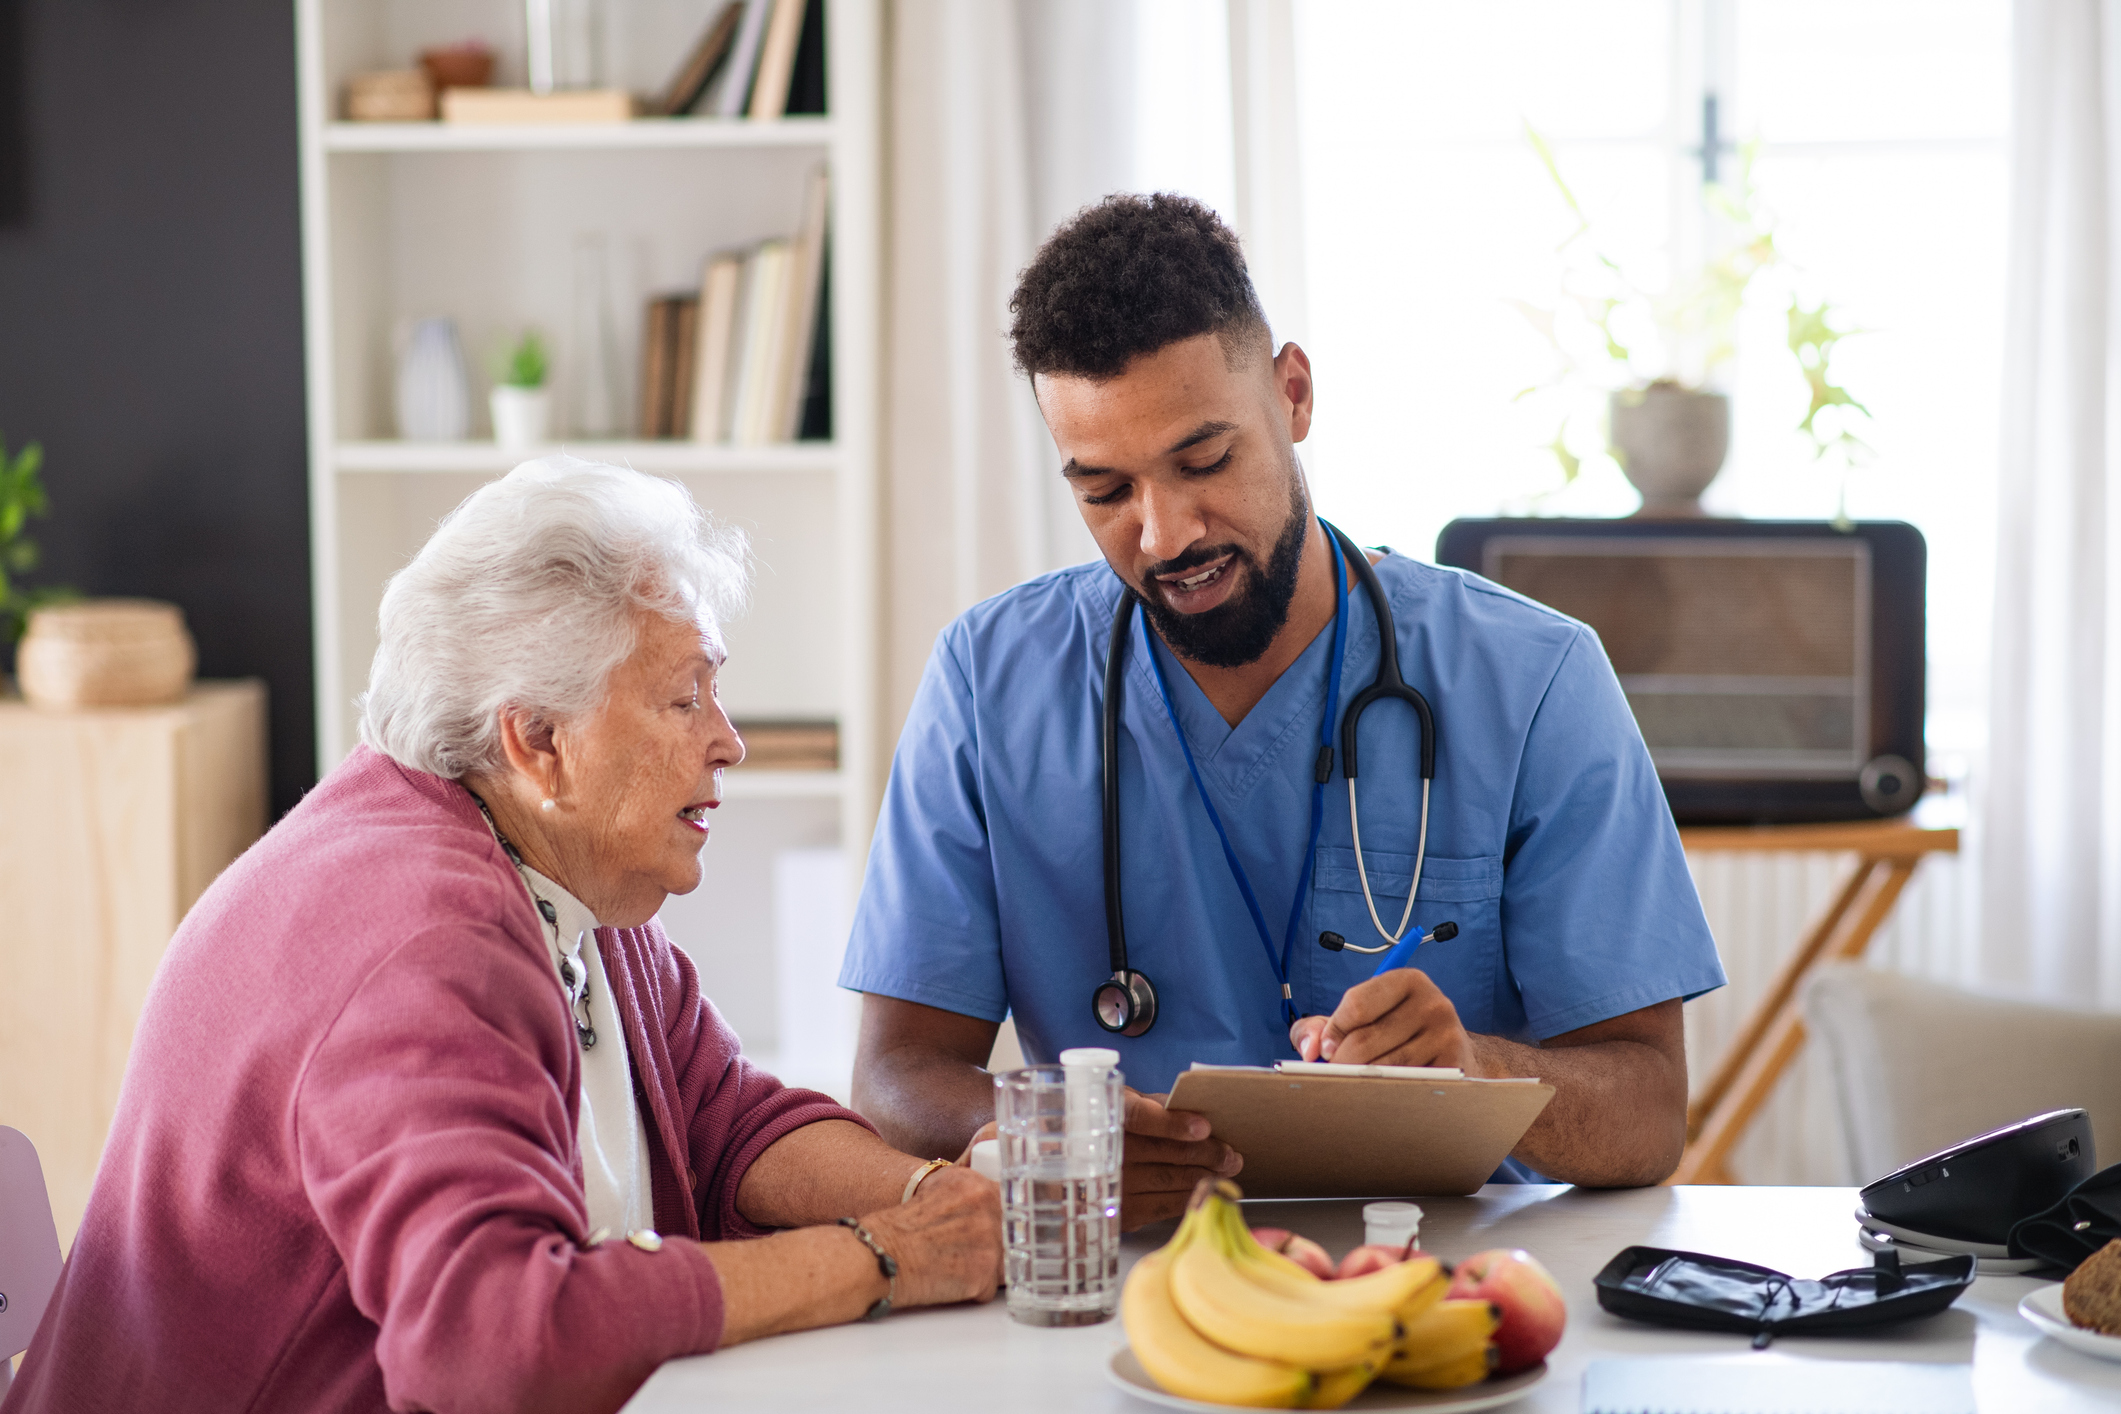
(112, 823)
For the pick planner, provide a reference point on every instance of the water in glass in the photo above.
(1061, 1131)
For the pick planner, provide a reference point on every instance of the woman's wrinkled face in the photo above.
(641, 772)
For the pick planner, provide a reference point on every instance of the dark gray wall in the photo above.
(151, 323)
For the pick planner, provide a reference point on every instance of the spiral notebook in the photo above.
(1775, 1384)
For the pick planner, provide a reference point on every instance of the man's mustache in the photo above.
(1192, 560)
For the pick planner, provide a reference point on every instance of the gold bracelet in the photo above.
(920, 1173)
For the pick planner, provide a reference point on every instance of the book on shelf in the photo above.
(659, 336)
(741, 360)
(689, 84)
(806, 92)
(815, 422)
(769, 91)
(684, 341)
(799, 316)
(759, 357)
(730, 92)
(520, 106)
(720, 284)
(790, 745)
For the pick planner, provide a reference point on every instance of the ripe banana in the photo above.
(1446, 1347)
(1468, 1369)
(1336, 1387)
(1214, 1294)
(1182, 1362)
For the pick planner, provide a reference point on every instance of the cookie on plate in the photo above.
(2091, 1298)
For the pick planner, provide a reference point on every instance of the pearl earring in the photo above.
(549, 804)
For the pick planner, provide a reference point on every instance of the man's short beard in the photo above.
(1241, 628)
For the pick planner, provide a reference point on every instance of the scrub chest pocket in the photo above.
(1467, 892)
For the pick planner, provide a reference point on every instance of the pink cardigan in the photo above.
(343, 1170)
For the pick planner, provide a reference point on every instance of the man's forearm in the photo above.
(924, 1103)
(1618, 1116)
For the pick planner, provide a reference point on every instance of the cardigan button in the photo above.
(646, 1238)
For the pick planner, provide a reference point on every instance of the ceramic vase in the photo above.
(1671, 442)
(434, 393)
(596, 397)
(522, 417)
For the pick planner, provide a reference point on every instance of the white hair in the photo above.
(525, 597)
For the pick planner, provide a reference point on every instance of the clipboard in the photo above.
(1375, 1131)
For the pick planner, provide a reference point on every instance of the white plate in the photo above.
(2044, 1309)
(1950, 1246)
(1126, 1372)
(1983, 1266)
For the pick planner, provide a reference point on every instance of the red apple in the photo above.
(1533, 1312)
(1300, 1250)
(1310, 1256)
(1370, 1258)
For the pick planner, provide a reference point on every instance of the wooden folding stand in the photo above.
(1887, 852)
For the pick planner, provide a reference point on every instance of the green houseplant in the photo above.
(1635, 373)
(521, 405)
(21, 498)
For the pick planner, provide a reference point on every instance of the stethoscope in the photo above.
(1126, 1002)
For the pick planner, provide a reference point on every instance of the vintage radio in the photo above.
(1775, 667)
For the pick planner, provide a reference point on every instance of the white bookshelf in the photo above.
(646, 134)
(403, 221)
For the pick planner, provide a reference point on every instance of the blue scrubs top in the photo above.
(1550, 843)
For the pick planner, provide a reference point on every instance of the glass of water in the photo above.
(1062, 1131)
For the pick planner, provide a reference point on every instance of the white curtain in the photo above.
(1006, 115)
(2051, 846)
(1269, 218)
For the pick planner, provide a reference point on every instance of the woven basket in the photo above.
(105, 653)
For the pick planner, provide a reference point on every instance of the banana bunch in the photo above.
(1216, 1317)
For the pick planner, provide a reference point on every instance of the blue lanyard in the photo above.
(1279, 962)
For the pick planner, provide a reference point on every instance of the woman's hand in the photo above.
(947, 1241)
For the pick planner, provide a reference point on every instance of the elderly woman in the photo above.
(425, 1110)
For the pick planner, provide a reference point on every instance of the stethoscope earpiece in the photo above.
(1334, 942)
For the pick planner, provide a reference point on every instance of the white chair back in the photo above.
(29, 1247)
(1918, 1066)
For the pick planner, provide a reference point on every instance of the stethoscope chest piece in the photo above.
(1125, 1005)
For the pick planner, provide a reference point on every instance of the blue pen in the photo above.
(1402, 953)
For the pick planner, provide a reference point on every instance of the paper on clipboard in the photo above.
(1308, 1130)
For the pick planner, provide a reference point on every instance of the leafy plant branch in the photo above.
(22, 496)
(1590, 327)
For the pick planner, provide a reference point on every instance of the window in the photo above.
(1881, 150)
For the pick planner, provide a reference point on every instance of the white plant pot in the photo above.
(522, 417)
(1671, 442)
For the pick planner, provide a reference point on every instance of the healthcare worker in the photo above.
(1545, 838)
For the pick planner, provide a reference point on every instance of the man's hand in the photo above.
(1399, 1018)
(1168, 1152)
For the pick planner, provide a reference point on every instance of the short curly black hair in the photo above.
(1127, 277)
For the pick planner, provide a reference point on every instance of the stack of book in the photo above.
(790, 746)
(743, 359)
(757, 58)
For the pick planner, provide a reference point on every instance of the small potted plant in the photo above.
(522, 405)
(1646, 366)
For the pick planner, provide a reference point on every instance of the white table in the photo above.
(977, 1358)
